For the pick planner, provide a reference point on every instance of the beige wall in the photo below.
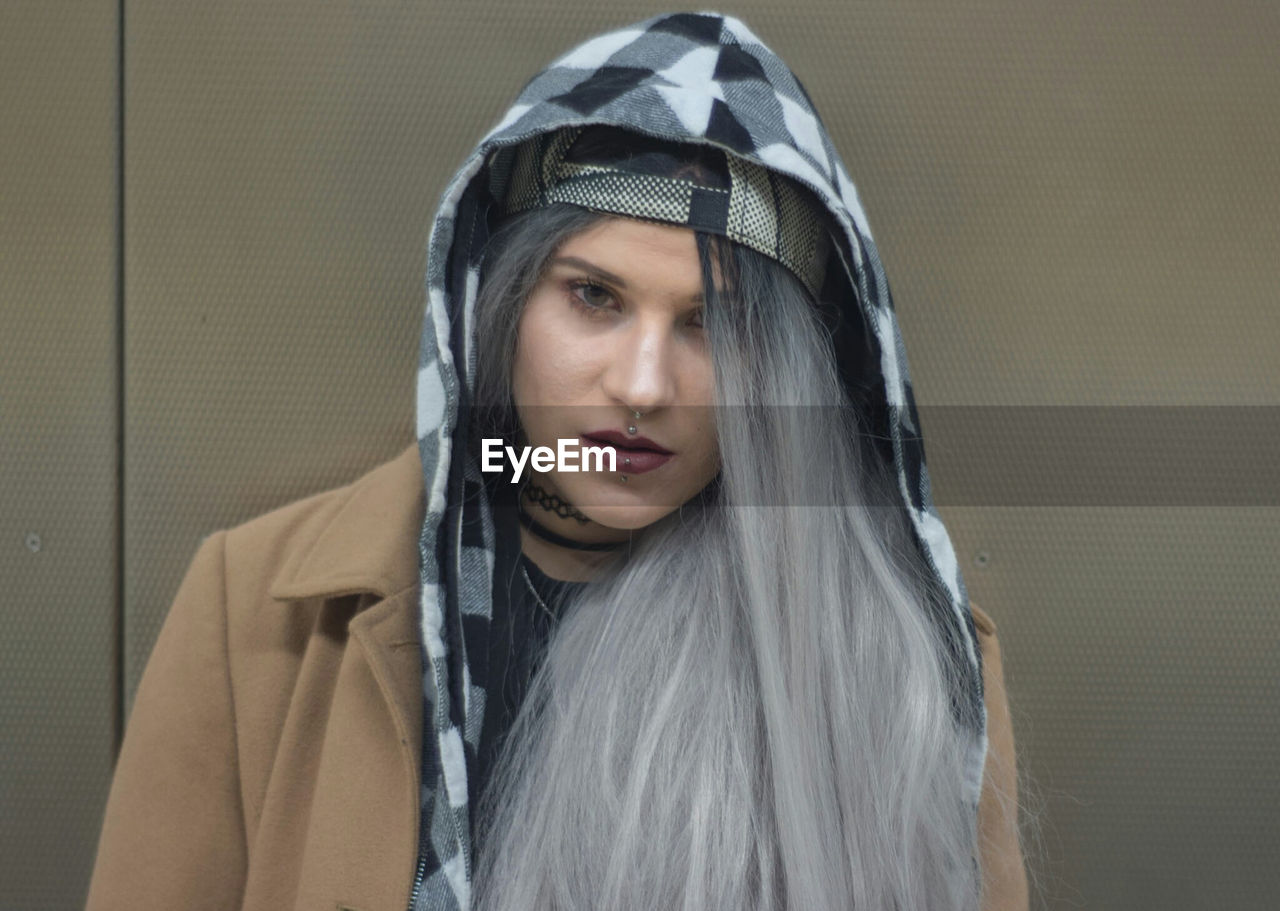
(1076, 205)
(59, 442)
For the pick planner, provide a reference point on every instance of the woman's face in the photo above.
(614, 326)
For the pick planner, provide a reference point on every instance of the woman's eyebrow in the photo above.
(604, 273)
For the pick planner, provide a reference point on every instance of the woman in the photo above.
(737, 667)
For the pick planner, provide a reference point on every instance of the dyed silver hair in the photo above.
(753, 710)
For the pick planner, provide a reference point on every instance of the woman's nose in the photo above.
(640, 370)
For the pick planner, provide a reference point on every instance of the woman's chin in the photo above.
(614, 505)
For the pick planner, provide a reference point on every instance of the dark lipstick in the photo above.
(635, 454)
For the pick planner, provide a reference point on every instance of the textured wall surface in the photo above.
(1075, 204)
(59, 444)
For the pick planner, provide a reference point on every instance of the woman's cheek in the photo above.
(578, 363)
(551, 389)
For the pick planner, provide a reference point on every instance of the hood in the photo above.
(688, 77)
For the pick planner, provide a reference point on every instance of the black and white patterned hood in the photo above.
(688, 77)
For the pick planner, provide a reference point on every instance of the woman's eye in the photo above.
(590, 296)
(696, 320)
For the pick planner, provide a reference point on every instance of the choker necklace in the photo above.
(551, 503)
(551, 537)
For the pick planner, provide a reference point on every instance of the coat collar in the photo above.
(357, 539)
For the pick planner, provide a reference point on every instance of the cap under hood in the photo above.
(687, 77)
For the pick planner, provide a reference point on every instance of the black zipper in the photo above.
(417, 879)
(425, 821)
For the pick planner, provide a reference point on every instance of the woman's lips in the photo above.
(641, 460)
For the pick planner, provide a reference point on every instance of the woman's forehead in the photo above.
(634, 252)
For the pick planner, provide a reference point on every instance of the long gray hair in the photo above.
(753, 709)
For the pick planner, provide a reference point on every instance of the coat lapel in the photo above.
(366, 544)
(362, 836)
(363, 541)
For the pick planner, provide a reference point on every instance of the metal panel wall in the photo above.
(1075, 205)
(59, 429)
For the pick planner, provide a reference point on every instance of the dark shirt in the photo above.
(526, 607)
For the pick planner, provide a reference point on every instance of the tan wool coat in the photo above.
(271, 759)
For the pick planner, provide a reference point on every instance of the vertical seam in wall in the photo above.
(121, 653)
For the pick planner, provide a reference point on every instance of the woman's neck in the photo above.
(568, 548)
(563, 563)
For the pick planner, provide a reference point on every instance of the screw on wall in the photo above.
(33, 542)
(981, 559)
